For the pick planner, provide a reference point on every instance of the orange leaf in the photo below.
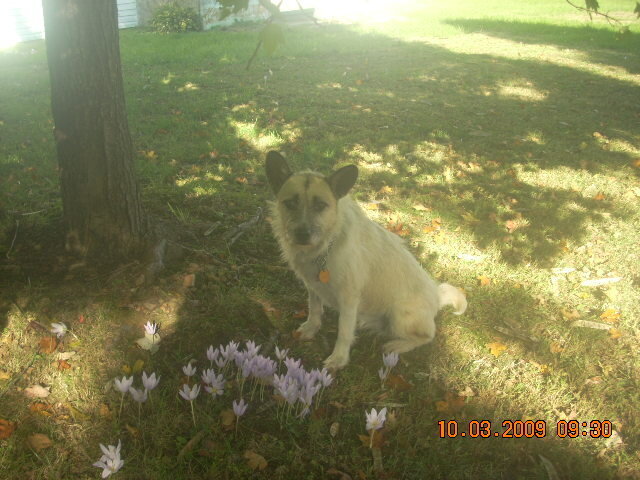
(133, 431)
(555, 347)
(7, 428)
(398, 382)
(484, 281)
(48, 344)
(599, 196)
(451, 404)
(39, 441)
(496, 348)
(398, 228)
(269, 310)
(41, 408)
(610, 316)
(636, 163)
(511, 225)
(63, 365)
(615, 333)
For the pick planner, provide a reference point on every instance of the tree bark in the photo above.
(100, 197)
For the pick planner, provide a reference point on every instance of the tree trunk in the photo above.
(100, 196)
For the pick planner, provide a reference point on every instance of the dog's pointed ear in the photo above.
(342, 180)
(278, 170)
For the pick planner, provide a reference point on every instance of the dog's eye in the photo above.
(319, 205)
(291, 203)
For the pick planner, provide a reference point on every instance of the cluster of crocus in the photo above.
(389, 360)
(140, 395)
(110, 462)
(300, 386)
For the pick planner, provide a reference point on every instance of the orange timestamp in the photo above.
(524, 429)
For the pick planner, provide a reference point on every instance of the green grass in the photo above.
(514, 130)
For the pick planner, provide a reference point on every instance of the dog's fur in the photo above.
(373, 279)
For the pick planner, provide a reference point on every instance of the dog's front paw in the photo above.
(336, 360)
(307, 330)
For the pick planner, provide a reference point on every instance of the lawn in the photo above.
(502, 142)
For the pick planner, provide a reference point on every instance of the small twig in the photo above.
(609, 18)
(388, 404)
(244, 227)
(14, 239)
(28, 213)
(311, 17)
(275, 11)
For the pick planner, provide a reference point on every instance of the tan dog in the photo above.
(350, 263)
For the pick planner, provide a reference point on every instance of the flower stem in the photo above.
(371, 439)
(193, 414)
(121, 402)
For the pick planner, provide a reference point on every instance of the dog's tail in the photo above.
(450, 295)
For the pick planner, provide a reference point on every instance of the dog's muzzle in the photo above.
(302, 236)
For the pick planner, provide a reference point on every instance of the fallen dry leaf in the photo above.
(343, 476)
(269, 310)
(484, 281)
(556, 347)
(133, 431)
(610, 316)
(104, 411)
(189, 280)
(398, 382)
(451, 404)
(63, 365)
(41, 408)
(137, 366)
(7, 427)
(420, 208)
(511, 225)
(398, 228)
(542, 367)
(599, 196)
(39, 441)
(65, 355)
(255, 460)
(378, 439)
(615, 333)
(570, 314)
(334, 429)
(48, 344)
(467, 392)
(496, 348)
(228, 419)
(37, 391)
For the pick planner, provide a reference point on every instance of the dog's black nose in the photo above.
(303, 236)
